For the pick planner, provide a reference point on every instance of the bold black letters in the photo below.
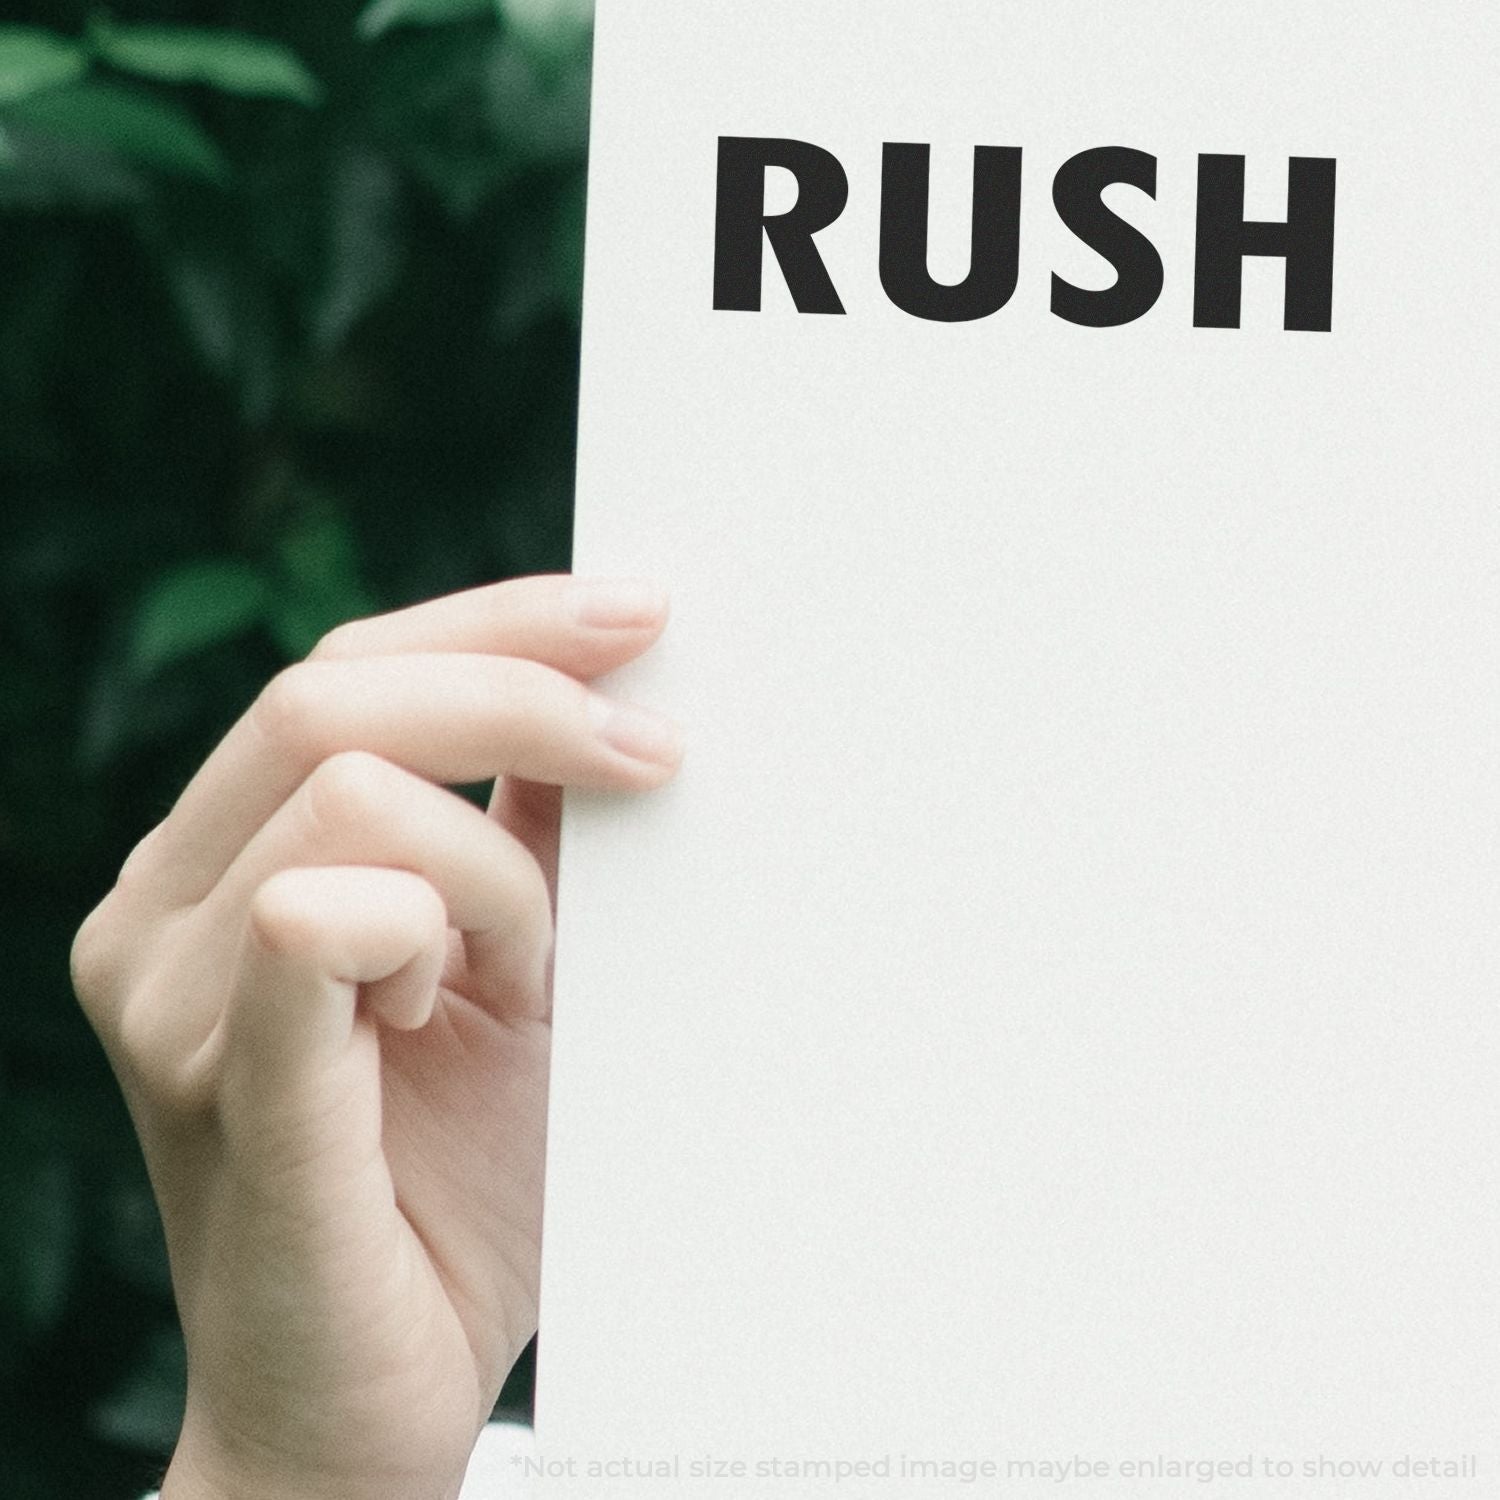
(1305, 241)
(995, 257)
(1224, 239)
(1077, 193)
(743, 225)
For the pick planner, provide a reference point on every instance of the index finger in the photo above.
(429, 721)
(573, 624)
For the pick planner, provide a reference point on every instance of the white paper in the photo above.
(1053, 1016)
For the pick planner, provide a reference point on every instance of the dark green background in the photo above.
(288, 334)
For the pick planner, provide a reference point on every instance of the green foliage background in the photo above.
(288, 333)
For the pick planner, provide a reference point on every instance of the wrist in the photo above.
(189, 1479)
(201, 1471)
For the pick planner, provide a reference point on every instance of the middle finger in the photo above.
(449, 717)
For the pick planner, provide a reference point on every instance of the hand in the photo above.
(324, 983)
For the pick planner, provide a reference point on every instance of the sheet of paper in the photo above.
(1046, 1042)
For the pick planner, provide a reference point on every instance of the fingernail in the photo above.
(637, 732)
(616, 603)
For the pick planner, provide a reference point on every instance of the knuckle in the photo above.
(136, 1046)
(137, 873)
(147, 1059)
(339, 643)
(122, 968)
(289, 713)
(553, 696)
(425, 917)
(93, 959)
(348, 789)
(114, 930)
(281, 918)
(429, 910)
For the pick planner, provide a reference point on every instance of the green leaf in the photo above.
(32, 60)
(129, 1237)
(550, 29)
(228, 313)
(135, 125)
(384, 15)
(318, 585)
(194, 607)
(363, 243)
(537, 105)
(144, 1412)
(232, 61)
(40, 171)
(461, 177)
(37, 1235)
(547, 276)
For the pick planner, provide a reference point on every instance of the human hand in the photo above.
(324, 983)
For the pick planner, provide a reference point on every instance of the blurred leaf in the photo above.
(383, 15)
(227, 311)
(538, 106)
(38, 1230)
(432, 114)
(462, 177)
(363, 249)
(139, 126)
(40, 171)
(144, 1411)
(228, 60)
(549, 28)
(318, 585)
(193, 607)
(117, 718)
(547, 275)
(131, 1239)
(32, 60)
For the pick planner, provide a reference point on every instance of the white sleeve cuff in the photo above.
(497, 1471)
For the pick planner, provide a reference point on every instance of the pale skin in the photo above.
(324, 982)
